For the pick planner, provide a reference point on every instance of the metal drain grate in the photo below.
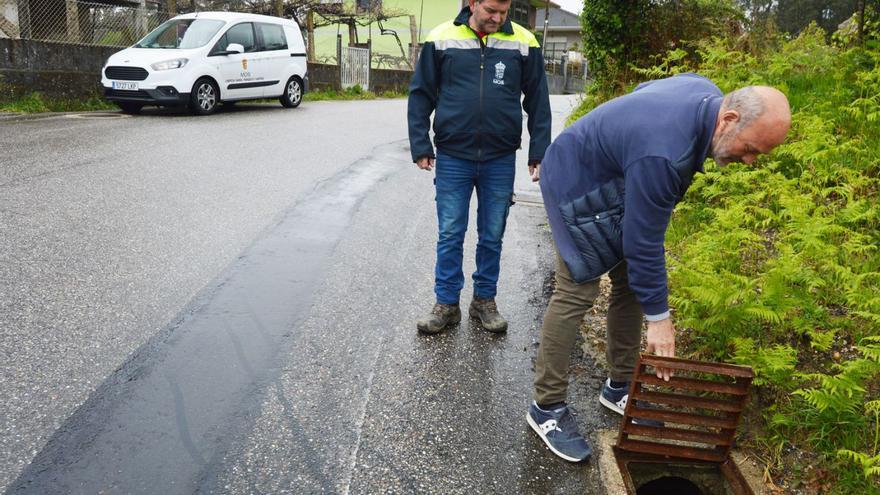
(692, 416)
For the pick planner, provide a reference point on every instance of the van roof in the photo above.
(237, 16)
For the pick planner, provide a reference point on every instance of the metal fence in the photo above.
(355, 67)
(565, 77)
(112, 23)
(562, 66)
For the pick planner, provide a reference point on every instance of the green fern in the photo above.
(870, 465)
(777, 265)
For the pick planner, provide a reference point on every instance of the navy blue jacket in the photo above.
(474, 89)
(611, 180)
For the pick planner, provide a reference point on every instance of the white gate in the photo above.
(355, 67)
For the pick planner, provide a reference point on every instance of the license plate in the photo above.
(128, 86)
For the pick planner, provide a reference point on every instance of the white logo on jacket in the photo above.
(499, 73)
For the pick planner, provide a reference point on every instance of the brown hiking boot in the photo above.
(442, 316)
(486, 311)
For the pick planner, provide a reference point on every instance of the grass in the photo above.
(37, 103)
(352, 93)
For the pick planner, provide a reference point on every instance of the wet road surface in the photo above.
(297, 369)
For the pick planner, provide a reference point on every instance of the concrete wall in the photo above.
(389, 80)
(72, 71)
(323, 77)
(560, 85)
(55, 69)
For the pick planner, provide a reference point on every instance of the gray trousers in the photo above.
(565, 312)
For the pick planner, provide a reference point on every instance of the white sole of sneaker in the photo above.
(610, 405)
(543, 437)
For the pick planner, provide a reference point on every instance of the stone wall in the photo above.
(382, 80)
(55, 69)
(73, 71)
(323, 77)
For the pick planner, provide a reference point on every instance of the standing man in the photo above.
(610, 182)
(472, 73)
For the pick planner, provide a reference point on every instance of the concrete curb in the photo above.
(608, 471)
(14, 117)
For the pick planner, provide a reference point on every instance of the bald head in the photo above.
(752, 121)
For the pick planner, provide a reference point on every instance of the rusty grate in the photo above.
(692, 416)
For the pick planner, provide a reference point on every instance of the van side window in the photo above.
(273, 36)
(219, 46)
(243, 34)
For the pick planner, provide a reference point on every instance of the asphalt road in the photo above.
(227, 305)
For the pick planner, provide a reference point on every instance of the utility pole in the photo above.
(546, 23)
(310, 30)
(421, 14)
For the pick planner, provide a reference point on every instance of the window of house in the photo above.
(554, 50)
(519, 12)
(367, 5)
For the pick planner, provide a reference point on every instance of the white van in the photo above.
(203, 58)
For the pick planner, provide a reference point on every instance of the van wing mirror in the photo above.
(234, 48)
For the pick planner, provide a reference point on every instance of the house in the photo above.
(563, 33)
(408, 20)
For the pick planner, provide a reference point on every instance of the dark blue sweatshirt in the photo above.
(611, 180)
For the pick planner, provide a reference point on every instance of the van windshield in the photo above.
(181, 33)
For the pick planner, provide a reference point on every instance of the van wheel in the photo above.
(204, 97)
(130, 108)
(293, 93)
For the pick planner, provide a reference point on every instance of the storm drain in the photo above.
(676, 436)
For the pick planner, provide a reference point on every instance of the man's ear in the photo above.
(730, 116)
(726, 119)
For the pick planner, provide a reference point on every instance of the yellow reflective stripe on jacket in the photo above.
(449, 35)
(468, 43)
(523, 35)
(508, 45)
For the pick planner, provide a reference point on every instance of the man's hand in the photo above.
(425, 163)
(535, 172)
(661, 341)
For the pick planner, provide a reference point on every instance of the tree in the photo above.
(613, 37)
(793, 16)
(620, 35)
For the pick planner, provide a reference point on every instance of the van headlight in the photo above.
(170, 64)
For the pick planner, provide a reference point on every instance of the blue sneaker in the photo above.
(616, 398)
(559, 431)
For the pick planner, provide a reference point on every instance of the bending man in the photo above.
(610, 182)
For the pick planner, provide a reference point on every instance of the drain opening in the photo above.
(675, 478)
(669, 484)
(676, 436)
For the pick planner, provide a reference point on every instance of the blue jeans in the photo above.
(455, 182)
